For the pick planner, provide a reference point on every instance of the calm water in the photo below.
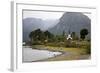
(30, 54)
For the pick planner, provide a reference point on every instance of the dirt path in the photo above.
(70, 56)
(67, 56)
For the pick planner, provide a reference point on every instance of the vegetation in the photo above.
(40, 37)
(74, 36)
(46, 40)
(83, 33)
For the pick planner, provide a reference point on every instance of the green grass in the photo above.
(78, 49)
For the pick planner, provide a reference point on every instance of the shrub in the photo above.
(88, 49)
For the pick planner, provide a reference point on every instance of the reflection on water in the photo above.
(30, 54)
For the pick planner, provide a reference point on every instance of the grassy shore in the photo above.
(68, 53)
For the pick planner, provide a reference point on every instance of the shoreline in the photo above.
(63, 56)
(53, 53)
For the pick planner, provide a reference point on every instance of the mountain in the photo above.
(73, 21)
(49, 23)
(30, 24)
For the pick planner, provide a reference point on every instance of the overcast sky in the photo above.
(50, 19)
(44, 15)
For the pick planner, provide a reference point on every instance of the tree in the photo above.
(63, 33)
(31, 35)
(36, 35)
(83, 33)
(73, 34)
(48, 36)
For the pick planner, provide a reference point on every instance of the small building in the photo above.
(69, 37)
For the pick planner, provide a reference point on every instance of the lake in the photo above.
(30, 55)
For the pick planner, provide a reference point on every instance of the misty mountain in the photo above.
(49, 23)
(31, 24)
(73, 22)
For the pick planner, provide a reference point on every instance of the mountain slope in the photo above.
(73, 21)
(30, 24)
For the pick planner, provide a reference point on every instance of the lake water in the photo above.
(30, 54)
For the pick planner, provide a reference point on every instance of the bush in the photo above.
(71, 44)
(88, 49)
(37, 43)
